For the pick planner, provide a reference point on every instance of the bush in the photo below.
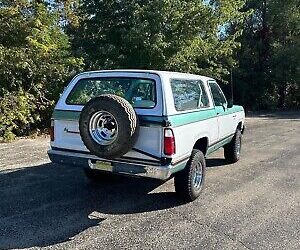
(35, 62)
(17, 113)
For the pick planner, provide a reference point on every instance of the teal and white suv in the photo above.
(145, 123)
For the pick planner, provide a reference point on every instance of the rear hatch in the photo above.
(142, 90)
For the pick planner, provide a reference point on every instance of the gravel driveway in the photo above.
(253, 204)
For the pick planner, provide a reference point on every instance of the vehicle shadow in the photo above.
(216, 162)
(50, 204)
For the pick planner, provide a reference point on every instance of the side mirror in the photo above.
(230, 103)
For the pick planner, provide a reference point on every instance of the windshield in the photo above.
(138, 91)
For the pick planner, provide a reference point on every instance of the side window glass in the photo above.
(189, 94)
(203, 100)
(217, 94)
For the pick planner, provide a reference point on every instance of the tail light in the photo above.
(51, 130)
(169, 142)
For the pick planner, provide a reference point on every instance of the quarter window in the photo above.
(189, 94)
(217, 94)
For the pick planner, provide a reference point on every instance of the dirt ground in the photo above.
(253, 204)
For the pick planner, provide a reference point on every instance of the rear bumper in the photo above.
(118, 167)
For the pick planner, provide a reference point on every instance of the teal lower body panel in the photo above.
(219, 144)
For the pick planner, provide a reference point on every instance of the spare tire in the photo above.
(108, 126)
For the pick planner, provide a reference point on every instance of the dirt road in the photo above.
(253, 204)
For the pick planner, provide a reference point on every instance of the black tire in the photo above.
(126, 120)
(184, 180)
(232, 150)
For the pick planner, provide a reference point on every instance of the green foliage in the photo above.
(43, 43)
(35, 56)
(17, 113)
(187, 36)
(268, 76)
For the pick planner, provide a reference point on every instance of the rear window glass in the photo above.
(141, 93)
(189, 94)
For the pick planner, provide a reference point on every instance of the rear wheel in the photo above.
(232, 150)
(190, 182)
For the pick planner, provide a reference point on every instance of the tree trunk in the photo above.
(282, 95)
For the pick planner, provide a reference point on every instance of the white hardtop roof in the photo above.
(168, 74)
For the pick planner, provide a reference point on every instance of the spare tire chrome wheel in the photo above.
(108, 126)
(103, 127)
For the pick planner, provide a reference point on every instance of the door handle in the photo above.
(218, 113)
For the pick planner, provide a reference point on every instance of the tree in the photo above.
(189, 36)
(269, 55)
(285, 50)
(35, 61)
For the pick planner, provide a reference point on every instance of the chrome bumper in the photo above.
(118, 167)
